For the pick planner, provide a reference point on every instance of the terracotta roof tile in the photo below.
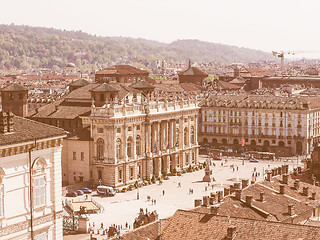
(26, 130)
(13, 87)
(122, 70)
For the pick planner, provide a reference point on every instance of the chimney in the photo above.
(3, 122)
(205, 201)
(249, 200)
(313, 196)
(214, 210)
(237, 185)
(269, 175)
(305, 191)
(296, 184)
(285, 178)
(299, 169)
(220, 196)
(211, 200)
(213, 195)
(238, 194)
(226, 191)
(245, 183)
(231, 232)
(291, 209)
(281, 189)
(197, 202)
(262, 197)
(10, 121)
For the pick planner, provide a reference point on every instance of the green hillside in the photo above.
(23, 47)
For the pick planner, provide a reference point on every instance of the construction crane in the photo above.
(281, 55)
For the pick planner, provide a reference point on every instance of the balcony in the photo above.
(96, 160)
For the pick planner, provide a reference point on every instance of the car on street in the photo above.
(86, 190)
(79, 192)
(71, 194)
(217, 158)
(106, 191)
(253, 160)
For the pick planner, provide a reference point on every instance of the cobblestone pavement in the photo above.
(124, 207)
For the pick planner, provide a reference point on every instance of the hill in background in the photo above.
(24, 47)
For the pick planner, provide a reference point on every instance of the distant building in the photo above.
(192, 75)
(284, 125)
(121, 74)
(30, 150)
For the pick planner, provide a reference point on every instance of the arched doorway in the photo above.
(266, 145)
(224, 141)
(205, 141)
(253, 143)
(214, 141)
(235, 142)
(281, 143)
(299, 148)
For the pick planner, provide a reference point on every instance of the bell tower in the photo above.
(14, 98)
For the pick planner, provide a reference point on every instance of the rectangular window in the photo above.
(118, 130)
(74, 156)
(100, 130)
(138, 127)
(120, 175)
(131, 173)
(39, 191)
(82, 156)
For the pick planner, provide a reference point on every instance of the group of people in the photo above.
(112, 230)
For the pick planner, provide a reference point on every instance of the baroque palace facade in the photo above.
(141, 137)
(122, 132)
(280, 124)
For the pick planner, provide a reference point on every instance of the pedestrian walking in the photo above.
(155, 202)
(237, 168)
(163, 192)
(179, 184)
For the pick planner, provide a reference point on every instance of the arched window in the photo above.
(100, 148)
(129, 147)
(192, 134)
(138, 145)
(118, 148)
(186, 133)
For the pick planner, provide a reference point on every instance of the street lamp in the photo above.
(31, 164)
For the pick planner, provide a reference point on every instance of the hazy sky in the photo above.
(266, 25)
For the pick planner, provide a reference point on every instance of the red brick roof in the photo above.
(122, 70)
(193, 71)
(185, 225)
(26, 130)
(13, 87)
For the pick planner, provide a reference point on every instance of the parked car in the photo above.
(71, 194)
(217, 158)
(253, 160)
(79, 192)
(86, 190)
(106, 191)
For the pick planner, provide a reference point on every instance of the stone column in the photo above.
(124, 142)
(134, 141)
(195, 130)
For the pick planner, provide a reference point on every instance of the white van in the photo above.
(106, 191)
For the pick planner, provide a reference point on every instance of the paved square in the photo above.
(124, 207)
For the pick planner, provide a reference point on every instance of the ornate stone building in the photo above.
(30, 152)
(121, 133)
(121, 74)
(284, 125)
(142, 136)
